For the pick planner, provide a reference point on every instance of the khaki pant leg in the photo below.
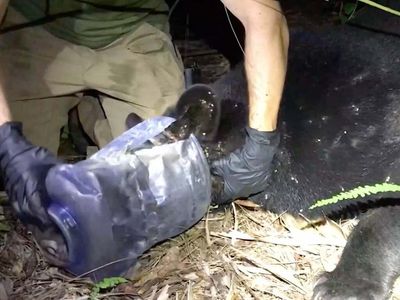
(94, 121)
(140, 73)
(37, 66)
(117, 111)
(43, 119)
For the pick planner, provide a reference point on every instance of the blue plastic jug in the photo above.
(126, 198)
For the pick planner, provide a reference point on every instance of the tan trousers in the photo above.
(43, 77)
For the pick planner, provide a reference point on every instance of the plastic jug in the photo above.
(126, 198)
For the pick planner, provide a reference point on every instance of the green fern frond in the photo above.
(106, 283)
(361, 191)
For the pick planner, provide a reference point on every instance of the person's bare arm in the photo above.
(266, 47)
(246, 171)
(5, 114)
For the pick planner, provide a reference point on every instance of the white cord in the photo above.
(171, 10)
(227, 16)
(233, 29)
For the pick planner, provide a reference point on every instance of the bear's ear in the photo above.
(132, 120)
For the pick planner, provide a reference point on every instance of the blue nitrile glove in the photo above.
(245, 171)
(24, 169)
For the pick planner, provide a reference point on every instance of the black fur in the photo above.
(339, 117)
(340, 129)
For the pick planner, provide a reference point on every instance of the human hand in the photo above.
(24, 169)
(245, 171)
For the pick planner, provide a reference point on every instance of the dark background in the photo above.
(206, 20)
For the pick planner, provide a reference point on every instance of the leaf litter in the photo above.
(235, 252)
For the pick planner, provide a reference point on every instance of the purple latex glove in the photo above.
(246, 171)
(24, 169)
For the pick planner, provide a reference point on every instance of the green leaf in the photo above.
(358, 192)
(106, 283)
(349, 8)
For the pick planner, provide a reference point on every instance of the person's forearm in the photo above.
(266, 48)
(265, 63)
(5, 115)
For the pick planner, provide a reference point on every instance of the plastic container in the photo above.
(126, 198)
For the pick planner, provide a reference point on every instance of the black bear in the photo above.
(340, 129)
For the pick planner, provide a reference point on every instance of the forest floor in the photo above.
(235, 252)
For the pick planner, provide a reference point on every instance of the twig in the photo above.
(294, 242)
(231, 289)
(273, 269)
(235, 224)
(190, 291)
(207, 229)
(251, 218)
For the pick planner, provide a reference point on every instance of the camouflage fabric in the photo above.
(93, 23)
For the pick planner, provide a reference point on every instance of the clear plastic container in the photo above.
(126, 198)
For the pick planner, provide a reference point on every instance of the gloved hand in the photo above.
(245, 171)
(24, 168)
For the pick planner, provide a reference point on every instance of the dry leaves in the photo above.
(240, 253)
